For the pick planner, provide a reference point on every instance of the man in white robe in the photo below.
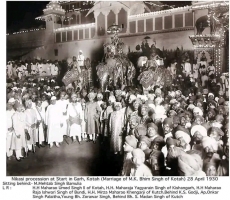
(80, 58)
(40, 112)
(31, 122)
(9, 132)
(75, 116)
(54, 122)
(63, 103)
(19, 126)
(9, 69)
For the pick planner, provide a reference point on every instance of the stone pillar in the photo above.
(105, 13)
(183, 19)
(163, 22)
(95, 16)
(173, 21)
(144, 25)
(136, 26)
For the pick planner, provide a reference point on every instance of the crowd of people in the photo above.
(170, 131)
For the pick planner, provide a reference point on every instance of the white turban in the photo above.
(184, 135)
(99, 95)
(11, 100)
(210, 94)
(132, 97)
(200, 129)
(112, 99)
(53, 98)
(210, 142)
(197, 109)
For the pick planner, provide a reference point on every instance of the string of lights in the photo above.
(26, 31)
(157, 5)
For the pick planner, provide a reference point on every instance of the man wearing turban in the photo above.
(54, 122)
(31, 123)
(75, 116)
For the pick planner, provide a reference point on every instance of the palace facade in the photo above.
(72, 26)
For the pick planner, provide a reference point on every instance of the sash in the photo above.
(40, 116)
(75, 120)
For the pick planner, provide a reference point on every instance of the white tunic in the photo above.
(40, 112)
(53, 121)
(9, 134)
(63, 106)
(75, 129)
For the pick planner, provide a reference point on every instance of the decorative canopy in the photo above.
(135, 7)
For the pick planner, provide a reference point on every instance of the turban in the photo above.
(99, 95)
(140, 130)
(197, 109)
(201, 129)
(131, 140)
(191, 107)
(189, 164)
(218, 130)
(53, 98)
(210, 142)
(145, 139)
(171, 142)
(168, 121)
(138, 153)
(159, 140)
(184, 135)
(172, 94)
(152, 125)
(91, 95)
(172, 112)
(210, 94)
(173, 101)
(158, 91)
(11, 100)
(132, 97)
(112, 99)
(80, 51)
(178, 92)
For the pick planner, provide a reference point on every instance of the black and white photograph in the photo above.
(117, 88)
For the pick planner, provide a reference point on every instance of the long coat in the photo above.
(116, 125)
(19, 125)
(31, 118)
(92, 114)
(53, 121)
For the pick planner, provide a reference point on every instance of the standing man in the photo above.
(40, 133)
(75, 116)
(63, 104)
(31, 123)
(19, 127)
(9, 137)
(80, 58)
(54, 123)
